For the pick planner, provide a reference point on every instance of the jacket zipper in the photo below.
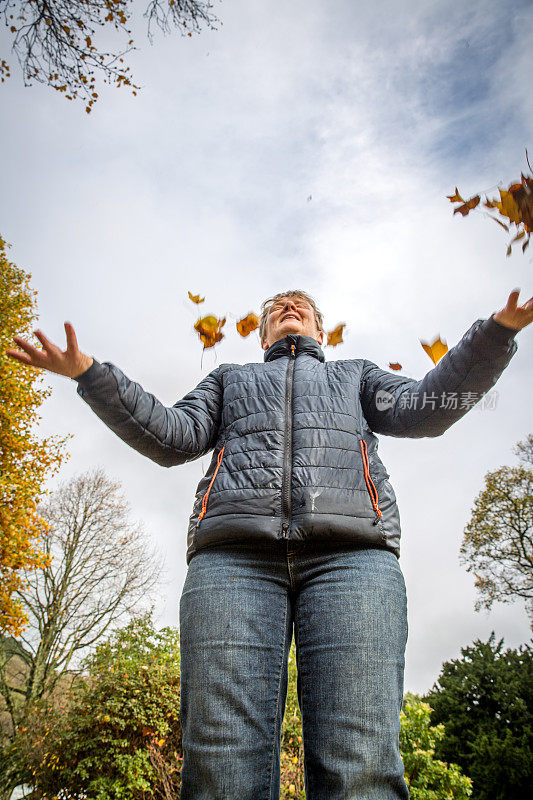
(287, 456)
(369, 483)
(206, 495)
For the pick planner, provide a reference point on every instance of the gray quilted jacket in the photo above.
(295, 454)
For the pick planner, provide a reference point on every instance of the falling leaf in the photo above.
(455, 198)
(209, 330)
(514, 205)
(501, 223)
(395, 366)
(335, 336)
(523, 197)
(435, 350)
(247, 324)
(508, 207)
(468, 206)
(196, 298)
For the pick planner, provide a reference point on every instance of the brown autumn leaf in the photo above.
(523, 196)
(468, 206)
(247, 324)
(455, 198)
(514, 206)
(196, 298)
(436, 349)
(500, 223)
(395, 365)
(210, 330)
(335, 336)
(508, 207)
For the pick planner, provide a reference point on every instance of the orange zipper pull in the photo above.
(369, 482)
(206, 495)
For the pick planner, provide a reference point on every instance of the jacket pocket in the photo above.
(206, 495)
(372, 491)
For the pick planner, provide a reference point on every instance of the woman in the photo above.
(295, 528)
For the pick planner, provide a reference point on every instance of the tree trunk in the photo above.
(12, 773)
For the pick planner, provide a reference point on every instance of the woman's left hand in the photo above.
(513, 316)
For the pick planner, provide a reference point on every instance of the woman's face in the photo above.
(290, 315)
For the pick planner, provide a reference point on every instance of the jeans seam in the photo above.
(277, 699)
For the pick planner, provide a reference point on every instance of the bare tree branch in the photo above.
(55, 40)
(102, 570)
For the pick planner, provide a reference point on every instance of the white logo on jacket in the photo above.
(313, 496)
(383, 400)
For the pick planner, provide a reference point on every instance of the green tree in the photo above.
(100, 572)
(116, 735)
(292, 752)
(485, 701)
(58, 43)
(427, 777)
(498, 540)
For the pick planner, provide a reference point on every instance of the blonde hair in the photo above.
(267, 305)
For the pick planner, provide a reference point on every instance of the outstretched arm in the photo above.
(169, 436)
(398, 406)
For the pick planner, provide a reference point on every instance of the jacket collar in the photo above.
(304, 344)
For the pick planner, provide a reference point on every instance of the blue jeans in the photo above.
(348, 607)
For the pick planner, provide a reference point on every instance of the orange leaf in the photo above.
(209, 330)
(247, 324)
(501, 223)
(436, 350)
(196, 298)
(468, 206)
(523, 196)
(508, 207)
(395, 366)
(335, 336)
(455, 198)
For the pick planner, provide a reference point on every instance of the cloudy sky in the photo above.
(373, 110)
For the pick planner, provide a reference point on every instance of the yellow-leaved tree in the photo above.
(25, 460)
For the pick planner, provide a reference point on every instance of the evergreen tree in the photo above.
(485, 700)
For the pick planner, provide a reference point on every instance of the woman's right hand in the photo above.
(70, 362)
